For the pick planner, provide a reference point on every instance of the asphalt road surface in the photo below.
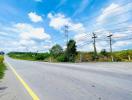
(83, 81)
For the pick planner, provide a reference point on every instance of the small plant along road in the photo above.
(2, 66)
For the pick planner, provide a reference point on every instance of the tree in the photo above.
(42, 56)
(56, 50)
(104, 52)
(71, 51)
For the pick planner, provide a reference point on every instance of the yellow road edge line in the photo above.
(26, 86)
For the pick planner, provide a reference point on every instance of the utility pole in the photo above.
(94, 45)
(110, 39)
(80, 57)
(129, 57)
(66, 30)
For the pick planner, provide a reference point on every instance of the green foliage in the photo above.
(122, 55)
(2, 67)
(29, 55)
(71, 55)
(42, 56)
(1, 59)
(61, 58)
(22, 55)
(104, 52)
(56, 50)
(85, 56)
(71, 51)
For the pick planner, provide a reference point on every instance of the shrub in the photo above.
(61, 58)
(2, 67)
(1, 59)
(42, 56)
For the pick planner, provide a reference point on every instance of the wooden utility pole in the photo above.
(110, 39)
(66, 30)
(80, 57)
(94, 45)
(129, 57)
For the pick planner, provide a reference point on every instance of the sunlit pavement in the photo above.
(86, 81)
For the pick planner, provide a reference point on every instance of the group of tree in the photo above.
(70, 54)
(56, 54)
(67, 55)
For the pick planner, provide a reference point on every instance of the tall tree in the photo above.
(104, 52)
(56, 50)
(71, 51)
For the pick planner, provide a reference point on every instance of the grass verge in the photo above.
(2, 67)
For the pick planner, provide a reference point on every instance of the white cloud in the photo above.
(121, 44)
(27, 37)
(34, 17)
(108, 11)
(81, 7)
(80, 38)
(29, 32)
(108, 21)
(114, 13)
(58, 21)
(27, 42)
(119, 35)
(47, 46)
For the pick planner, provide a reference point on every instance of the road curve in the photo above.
(86, 81)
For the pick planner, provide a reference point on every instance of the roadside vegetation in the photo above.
(29, 55)
(2, 67)
(70, 54)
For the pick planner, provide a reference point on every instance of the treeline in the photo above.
(55, 54)
(29, 55)
(70, 54)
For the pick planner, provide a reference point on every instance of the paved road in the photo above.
(87, 81)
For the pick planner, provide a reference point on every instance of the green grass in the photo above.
(29, 56)
(2, 67)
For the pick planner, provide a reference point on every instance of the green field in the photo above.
(2, 67)
(29, 56)
(103, 56)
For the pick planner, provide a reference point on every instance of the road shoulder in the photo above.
(11, 88)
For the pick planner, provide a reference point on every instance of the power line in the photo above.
(108, 11)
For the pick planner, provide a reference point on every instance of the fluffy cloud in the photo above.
(108, 11)
(34, 17)
(58, 21)
(108, 21)
(27, 38)
(114, 13)
(27, 32)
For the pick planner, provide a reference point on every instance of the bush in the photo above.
(42, 56)
(61, 58)
(2, 67)
(1, 59)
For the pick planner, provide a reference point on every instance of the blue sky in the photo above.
(36, 25)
